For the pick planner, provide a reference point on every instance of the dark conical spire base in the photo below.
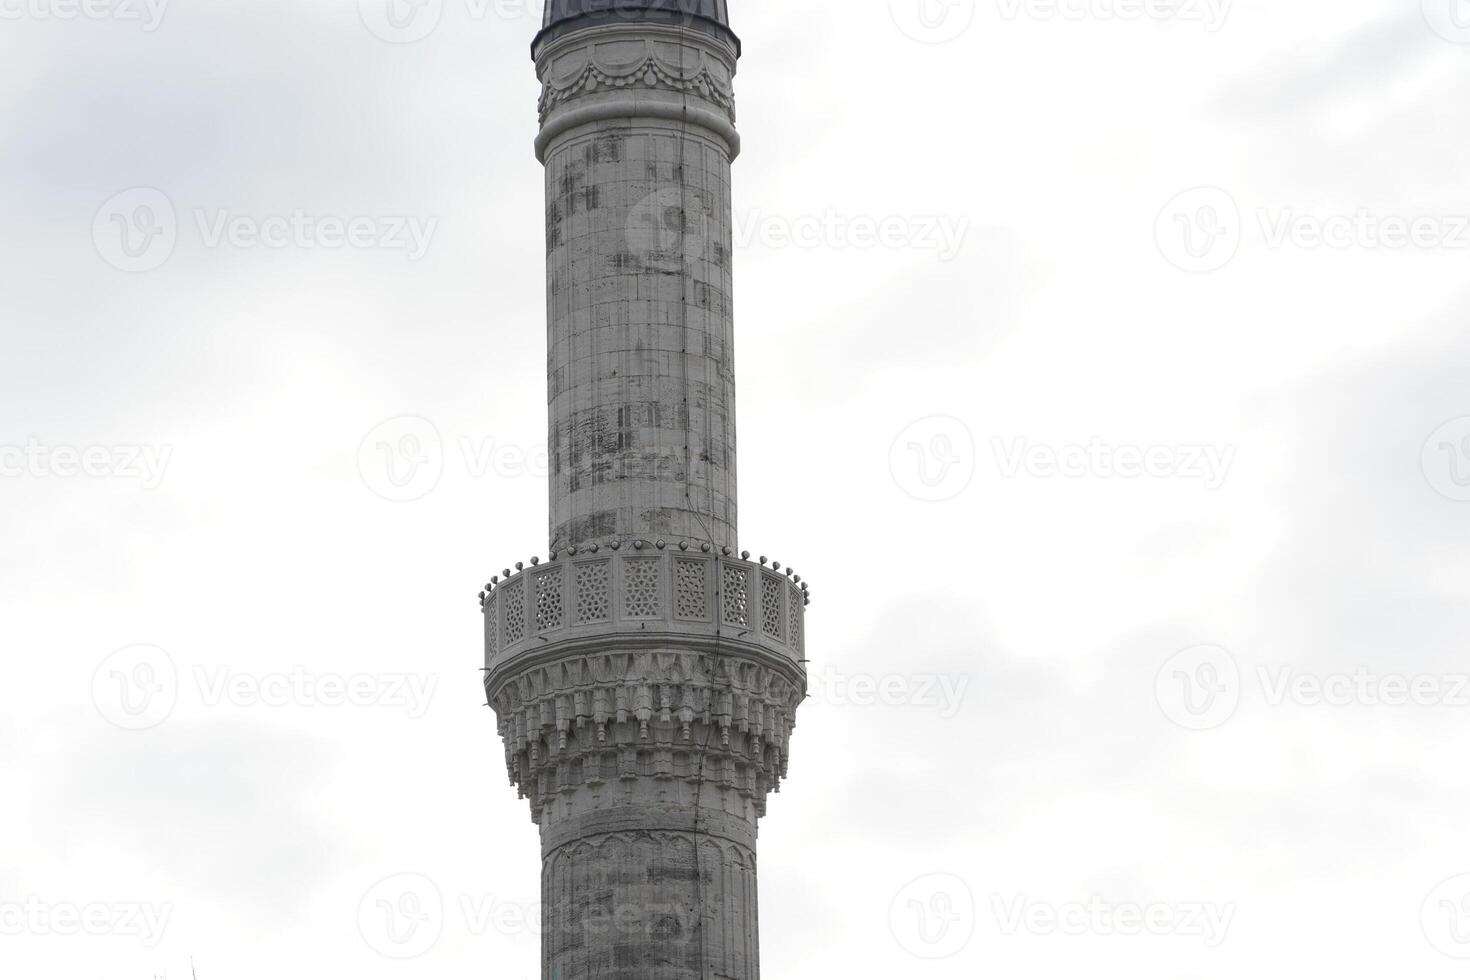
(565, 16)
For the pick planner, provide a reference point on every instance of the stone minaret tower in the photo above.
(646, 676)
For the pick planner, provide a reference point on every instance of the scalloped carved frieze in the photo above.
(614, 717)
(644, 63)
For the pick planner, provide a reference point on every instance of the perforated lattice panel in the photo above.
(640, 589)
(793, 614)
(492, 633)
(771, 588)
(736, 596)
(593, 605)
(690, 588)
(514, 597)
(549, 610)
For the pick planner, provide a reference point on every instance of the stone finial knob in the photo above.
(764, 559)
(552, 556)
(705, 547)
(660, 544)
(745, 555)
(683, 545)
(494, 580)
(725, 551)
(776, 565)
(520, 566)
(615, 545)
(594, 548)
(505, 572)
(638, 545)
(482, 597)
(535, 562)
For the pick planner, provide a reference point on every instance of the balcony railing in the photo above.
(643, 589)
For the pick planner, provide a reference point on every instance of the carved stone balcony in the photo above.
(640, 595)
(640, 662)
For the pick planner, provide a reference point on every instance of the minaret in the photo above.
(646, 676)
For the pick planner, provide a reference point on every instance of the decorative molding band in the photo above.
(632, 107)
(698, 821)
(651, 74)
(669, 841)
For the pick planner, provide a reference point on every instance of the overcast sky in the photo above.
(1103, 366)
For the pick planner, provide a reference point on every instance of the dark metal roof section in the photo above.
(566, 16)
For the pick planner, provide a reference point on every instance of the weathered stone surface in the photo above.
(645, 679)
(640, 324)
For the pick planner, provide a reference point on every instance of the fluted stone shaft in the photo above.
(637, 138)
(646, 677)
